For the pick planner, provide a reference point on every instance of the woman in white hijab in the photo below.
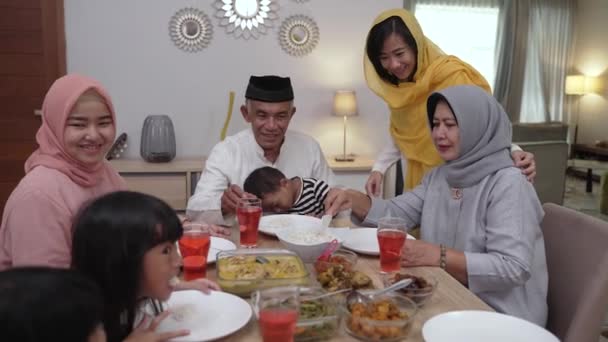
(479, 216)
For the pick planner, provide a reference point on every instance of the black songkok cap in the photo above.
(269, 89)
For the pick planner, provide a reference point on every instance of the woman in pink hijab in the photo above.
(67, 170)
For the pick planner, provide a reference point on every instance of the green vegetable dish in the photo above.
(318, 319)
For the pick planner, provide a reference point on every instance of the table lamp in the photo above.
(345, 105)
(580, 85)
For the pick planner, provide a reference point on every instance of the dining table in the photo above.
(450, 294)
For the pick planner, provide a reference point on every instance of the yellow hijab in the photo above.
(407, 101)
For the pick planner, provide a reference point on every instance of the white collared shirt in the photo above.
(232, 160)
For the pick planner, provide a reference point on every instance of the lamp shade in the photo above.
(581, 85)
(345, 103)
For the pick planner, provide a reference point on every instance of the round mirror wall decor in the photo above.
(190, 29)
(298, 35)
(246, 18)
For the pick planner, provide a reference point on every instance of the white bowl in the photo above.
(309, 252)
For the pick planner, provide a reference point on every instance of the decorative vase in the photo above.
(157, 139)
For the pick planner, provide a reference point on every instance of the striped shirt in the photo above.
(311, 198)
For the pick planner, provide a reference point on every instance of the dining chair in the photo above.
(577, 260)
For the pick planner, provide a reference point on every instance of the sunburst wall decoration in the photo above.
(246, 18)
(190, 29)
(298, 35)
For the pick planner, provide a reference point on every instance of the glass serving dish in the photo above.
(420, 290)
(386, 318)
(340, 256)
(242, 271)
(318, 318)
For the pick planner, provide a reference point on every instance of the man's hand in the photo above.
(373, 187)
(212, 229)
(525, 161)
(230, 199)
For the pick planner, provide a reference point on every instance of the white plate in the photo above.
(208, 317)
(218, 244)
(364, 241)
(477, 326)
(270, 223)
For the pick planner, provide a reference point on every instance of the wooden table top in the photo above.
(450, 295)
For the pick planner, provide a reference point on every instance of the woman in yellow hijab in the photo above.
(404, 67)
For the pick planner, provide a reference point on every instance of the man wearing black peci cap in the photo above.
(268, 108)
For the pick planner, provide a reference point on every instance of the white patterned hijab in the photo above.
(485, 134)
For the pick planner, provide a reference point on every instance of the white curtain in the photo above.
(548, 54)
(511, 47)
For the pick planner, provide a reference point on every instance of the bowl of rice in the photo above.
(308, 242)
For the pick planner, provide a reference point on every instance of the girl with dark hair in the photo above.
(125, 242)
(46, 304)
(404, 67)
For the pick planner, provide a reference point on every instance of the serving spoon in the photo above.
(357, 297)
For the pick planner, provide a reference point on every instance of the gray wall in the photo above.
(126, 46)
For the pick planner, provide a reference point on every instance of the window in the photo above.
(468, 33)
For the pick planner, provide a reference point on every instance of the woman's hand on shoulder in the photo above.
(203, 285)
(146, 331)
(525, 161)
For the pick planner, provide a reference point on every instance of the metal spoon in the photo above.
(358, 297)
(328, 294)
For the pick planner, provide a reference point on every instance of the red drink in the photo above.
(391, 244)
(278, 324)
(194, 243)
(249, 219)
(195, 267)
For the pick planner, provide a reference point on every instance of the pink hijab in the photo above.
(51, 153)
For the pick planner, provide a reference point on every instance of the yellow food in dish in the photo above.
(247, 268)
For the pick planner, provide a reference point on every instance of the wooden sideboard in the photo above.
(175, 181)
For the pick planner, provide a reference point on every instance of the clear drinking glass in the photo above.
(277, 312)
(392, 232)
(249, 211)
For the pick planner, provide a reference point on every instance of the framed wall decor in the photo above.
(246, 18)
(190, 29)
(298, 35)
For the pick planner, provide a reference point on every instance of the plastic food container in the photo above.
(242, 271)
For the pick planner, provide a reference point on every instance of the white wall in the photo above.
(126, 46)
(591, 58)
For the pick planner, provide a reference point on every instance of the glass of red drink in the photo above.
(277, 312)
(392, 233)
(195, 267)
(249, 211)
(194, 247)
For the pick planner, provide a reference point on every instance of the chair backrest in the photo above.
(577, 260)
(551, 162)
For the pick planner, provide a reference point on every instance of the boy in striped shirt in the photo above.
(304, 196)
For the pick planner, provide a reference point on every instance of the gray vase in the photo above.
(157, 139)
